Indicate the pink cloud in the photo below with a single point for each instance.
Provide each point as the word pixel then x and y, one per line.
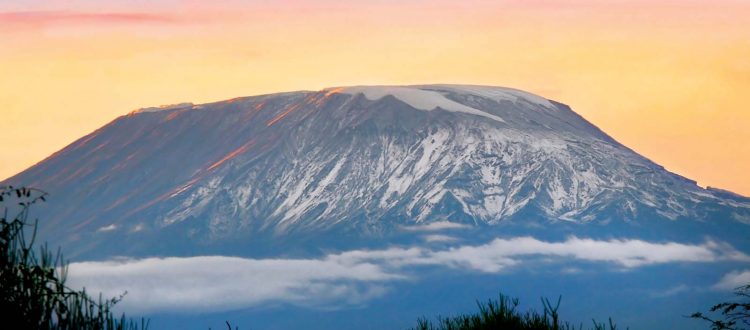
pixel 73 17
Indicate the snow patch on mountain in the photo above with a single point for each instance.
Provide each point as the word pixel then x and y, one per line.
pixel 416 97
pixel 497 94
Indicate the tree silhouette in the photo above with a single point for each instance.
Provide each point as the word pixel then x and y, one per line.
pixel 736 314
pixel 33 294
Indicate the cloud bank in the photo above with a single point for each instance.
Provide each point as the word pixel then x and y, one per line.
pixel 733 280
pixel 438 238
pixel 435 226
pixel 219 283
pixel 213 283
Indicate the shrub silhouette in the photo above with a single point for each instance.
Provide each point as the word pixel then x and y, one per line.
pixel 503 314
pixel 33 294
pixel 736 314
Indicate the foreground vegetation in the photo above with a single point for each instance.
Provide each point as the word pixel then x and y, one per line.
pixel 33 294
pixel 503 314
pixel 735 315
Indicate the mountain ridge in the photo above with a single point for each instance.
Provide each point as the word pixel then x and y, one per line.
pixel 363 159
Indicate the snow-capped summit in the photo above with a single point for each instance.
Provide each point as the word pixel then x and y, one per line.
pixel 419 98
pixel 363 159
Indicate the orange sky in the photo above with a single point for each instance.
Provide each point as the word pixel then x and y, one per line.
pixel 669 79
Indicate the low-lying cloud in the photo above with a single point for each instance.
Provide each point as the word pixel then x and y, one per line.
pixel 353 277
pixel 733 280
pixel 439 238
pixel 107 228
pixel 217 282
pixel 435 226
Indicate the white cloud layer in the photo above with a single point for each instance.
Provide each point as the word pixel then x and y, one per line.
pixel 435 226
pixel 220 283
pixel 438 238
pixel 108 228
pixel 352 277
pixel 733 280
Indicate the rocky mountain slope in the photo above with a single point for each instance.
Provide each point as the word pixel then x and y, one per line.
pixel 364 159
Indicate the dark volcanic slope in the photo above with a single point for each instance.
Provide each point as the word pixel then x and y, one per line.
pixel 358 159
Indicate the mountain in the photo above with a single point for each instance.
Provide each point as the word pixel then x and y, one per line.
pixel 360 161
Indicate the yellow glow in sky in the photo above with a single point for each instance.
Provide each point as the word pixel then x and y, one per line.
pixel 670 79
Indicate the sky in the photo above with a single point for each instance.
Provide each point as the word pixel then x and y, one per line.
pixel 666 78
